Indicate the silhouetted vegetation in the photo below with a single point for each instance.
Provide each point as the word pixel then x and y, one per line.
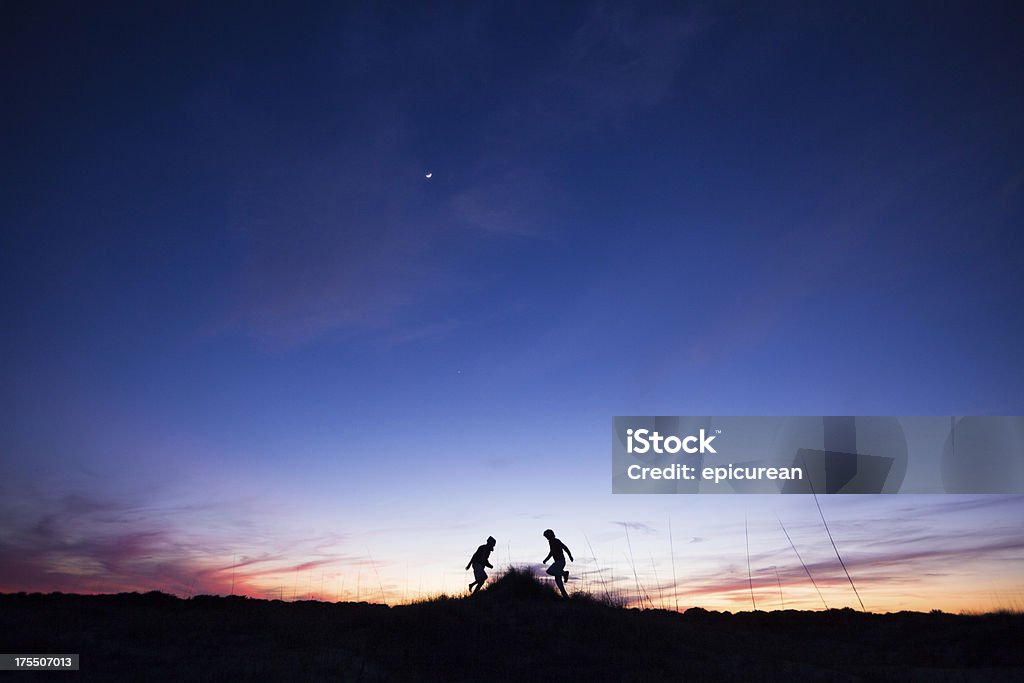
pixel 516 629
pixel 519 583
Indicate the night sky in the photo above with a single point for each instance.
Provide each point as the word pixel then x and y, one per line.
pixel 248 345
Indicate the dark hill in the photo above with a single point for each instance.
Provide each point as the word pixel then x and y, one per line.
pixel 517 584
pixel 515 631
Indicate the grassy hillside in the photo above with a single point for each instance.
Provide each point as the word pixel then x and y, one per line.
pixel 515 630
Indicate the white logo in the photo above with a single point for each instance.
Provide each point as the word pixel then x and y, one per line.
pixel 646 440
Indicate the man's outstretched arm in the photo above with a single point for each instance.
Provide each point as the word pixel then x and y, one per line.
pixel 568 552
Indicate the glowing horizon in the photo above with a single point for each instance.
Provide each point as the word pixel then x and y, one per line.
pixel 931 556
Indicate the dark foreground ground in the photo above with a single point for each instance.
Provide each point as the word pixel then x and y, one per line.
pixel 519 634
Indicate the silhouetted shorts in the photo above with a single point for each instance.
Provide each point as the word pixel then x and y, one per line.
pixel 479 574
pixel 556 568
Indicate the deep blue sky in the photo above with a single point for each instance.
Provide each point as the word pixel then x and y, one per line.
pixel 221 259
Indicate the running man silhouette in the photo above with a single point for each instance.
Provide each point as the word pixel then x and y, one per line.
pixel 480 560
pixel 557 568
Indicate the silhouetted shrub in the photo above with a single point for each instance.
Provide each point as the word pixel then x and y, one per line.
pixel 518 583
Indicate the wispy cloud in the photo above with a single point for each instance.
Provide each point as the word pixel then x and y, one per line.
pixel 75 543
pixel 623 57
pixel 503 199
pixel 884 570
pixel 642 527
